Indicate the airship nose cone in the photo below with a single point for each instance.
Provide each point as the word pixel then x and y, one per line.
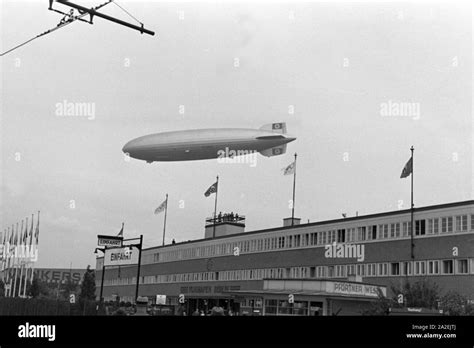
pixel 129 147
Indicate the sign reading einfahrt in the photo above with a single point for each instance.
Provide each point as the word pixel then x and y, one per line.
pixel 109 241
pixel 121 256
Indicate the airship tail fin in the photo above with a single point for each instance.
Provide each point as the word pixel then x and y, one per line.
pixel 279 127
pixel 274 151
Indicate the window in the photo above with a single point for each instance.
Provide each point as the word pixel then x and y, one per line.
pixel 450 224
pixel 461 223
pixel 472 222
pixel 392 230
pixel 330 271
pixel 383 231
pixel 361 270
pixel 289 241
pixel 340 271
pixel 341 236
pixel 351 234
pixel 314 238
pixel 297 240
pixel 281 242
pixel 274 243
pixel 407 228
pixel 361 233
pixel 395 268
pixel 407 267
pixel 374 231
pixel 444 225
pixel 447 266
pixel 433 267
pixel 432 226
pixel 321 271
pixel 420 227
pixel 462 266
pixel 371 270
pixel 435 226
pixel 420 267
pixel 332 237
pixel 383 269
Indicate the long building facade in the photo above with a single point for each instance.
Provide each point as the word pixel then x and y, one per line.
pixel 373 249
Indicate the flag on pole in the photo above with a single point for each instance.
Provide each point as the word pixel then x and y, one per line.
pixel 31 230
pixel 290 169
pixel 37 231
pixel 120 234
pixel 25 236
pixel 161 207
pixel 408 169
pixel 210 190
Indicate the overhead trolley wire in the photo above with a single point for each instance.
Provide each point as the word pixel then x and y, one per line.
pixel 124 10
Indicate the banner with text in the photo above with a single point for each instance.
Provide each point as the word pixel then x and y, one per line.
pixel 121 256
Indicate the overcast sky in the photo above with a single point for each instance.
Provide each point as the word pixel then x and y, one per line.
pixel 337 66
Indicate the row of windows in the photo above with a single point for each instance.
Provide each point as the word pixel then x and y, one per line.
pixel 380 269
pixel 422 227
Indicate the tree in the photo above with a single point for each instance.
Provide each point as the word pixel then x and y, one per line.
pixel 69 288
pixel 453 303
pixel 422 293
pixel 88 285
pixel 379 307
pixel 37 288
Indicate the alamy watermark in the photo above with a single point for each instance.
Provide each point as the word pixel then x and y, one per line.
pixel 75 109
pixel 400 109
pixel 342 251
pixel 228 156
pixel 26 253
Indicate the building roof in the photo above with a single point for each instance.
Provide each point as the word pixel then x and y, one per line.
pixel 327 222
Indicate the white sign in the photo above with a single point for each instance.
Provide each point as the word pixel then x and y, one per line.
pixel 160 299
pixel 121 256
pixel 354 289
pixel 111 242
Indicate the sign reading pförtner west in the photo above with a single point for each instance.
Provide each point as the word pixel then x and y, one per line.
pixel 109 241
pixel 354 289
pixel 121 256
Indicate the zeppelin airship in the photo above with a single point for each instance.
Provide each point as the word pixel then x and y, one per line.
pixel 199 144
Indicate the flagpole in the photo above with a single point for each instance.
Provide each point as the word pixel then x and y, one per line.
pixel 294 187
pixel 22 266
pixel 164 224
pixel 215 209
pixel 9 261
pixel 412 205
pixel 36 246
pixel 16 257
pixel 30 250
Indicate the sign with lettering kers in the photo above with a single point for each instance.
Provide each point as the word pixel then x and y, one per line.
pixel 121 256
